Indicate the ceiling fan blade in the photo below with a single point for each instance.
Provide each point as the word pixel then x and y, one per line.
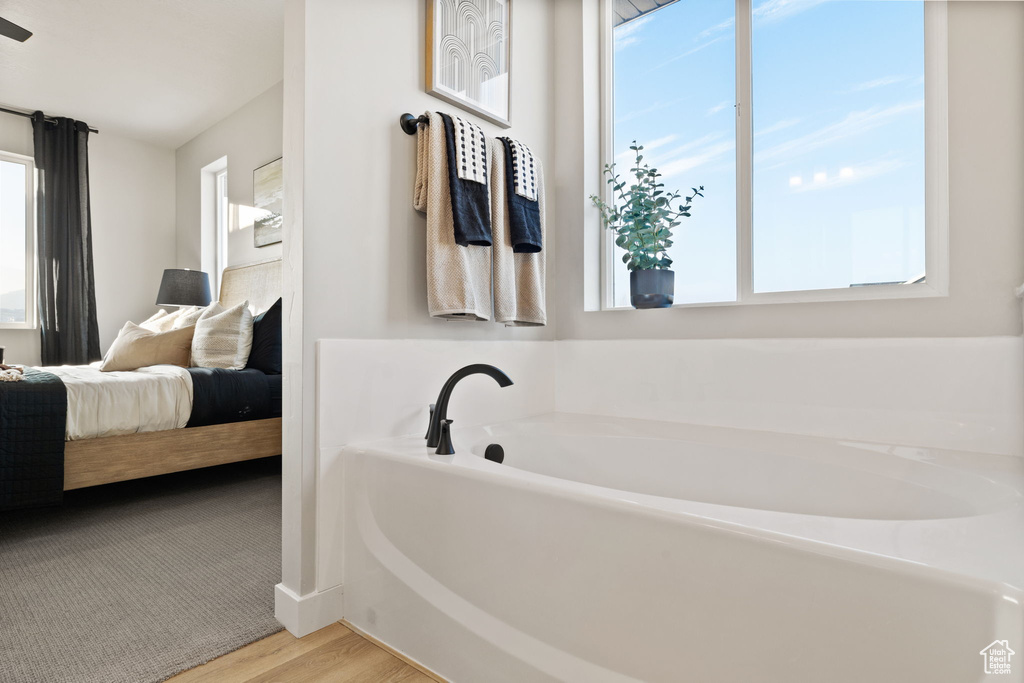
pixel 14 31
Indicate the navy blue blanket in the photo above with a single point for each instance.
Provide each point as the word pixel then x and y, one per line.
pixel 33 413
pixel 222 396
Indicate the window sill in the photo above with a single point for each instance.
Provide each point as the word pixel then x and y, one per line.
pixel 870 293
pixel 18 326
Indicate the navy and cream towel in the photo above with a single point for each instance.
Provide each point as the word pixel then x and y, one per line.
pixel 467 178
pixel 458 277
pixel 518 275
pixel 521 179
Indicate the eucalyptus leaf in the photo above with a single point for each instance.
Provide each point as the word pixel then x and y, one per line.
pixel 642 214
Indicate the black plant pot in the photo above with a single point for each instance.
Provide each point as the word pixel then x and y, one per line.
pixel 654 288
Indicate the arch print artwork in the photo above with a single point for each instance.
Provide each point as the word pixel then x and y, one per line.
pixel 468 55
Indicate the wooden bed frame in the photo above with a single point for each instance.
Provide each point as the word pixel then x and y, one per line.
pixel 91 462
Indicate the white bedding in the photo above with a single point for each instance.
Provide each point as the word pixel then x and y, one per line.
pixel 111 403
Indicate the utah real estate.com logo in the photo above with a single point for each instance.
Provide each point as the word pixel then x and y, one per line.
pixel 997 657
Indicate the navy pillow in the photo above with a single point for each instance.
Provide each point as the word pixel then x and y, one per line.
pixel 266 341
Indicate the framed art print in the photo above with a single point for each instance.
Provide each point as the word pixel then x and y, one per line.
pixel 268 199
pixel 469 54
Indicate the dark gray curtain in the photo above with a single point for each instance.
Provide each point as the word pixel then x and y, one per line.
pixel 67 293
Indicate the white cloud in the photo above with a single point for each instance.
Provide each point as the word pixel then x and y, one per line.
pixel 688 52
pixel 774 10
pixel 851 175
pixel 686 147
pixel 646 110
pixel 876 83
pixel 628 34
pixel 855 123
pixel 711 30
pixel 627 157
pixel 767 11
pixel 699 158
pixel 777 126
pixel 680 158
pixel 721 106
pixel 658 142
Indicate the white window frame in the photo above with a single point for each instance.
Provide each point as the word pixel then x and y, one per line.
pixel 213 236
pixel 31 315
pixel 222 224
pixel 936 171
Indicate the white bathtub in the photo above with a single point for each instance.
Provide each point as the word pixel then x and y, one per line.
pixel 623 550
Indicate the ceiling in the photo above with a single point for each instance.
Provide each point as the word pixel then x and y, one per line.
pixel 161 71
pixel 628 10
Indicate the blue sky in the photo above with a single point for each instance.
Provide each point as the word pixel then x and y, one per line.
pixel 838 107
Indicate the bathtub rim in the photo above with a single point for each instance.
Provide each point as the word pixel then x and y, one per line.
pixel 1003 578
pixel 929 469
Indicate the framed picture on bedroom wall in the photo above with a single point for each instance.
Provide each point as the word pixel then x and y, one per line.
pixel 268 200
pixel 468 58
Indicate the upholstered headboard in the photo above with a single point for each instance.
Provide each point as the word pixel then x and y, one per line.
pixel 258 282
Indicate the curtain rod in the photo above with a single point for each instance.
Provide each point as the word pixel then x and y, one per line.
pixel 28 115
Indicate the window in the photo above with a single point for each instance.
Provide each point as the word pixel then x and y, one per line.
pixel 817 130
pixel 214 221
pixel 17 243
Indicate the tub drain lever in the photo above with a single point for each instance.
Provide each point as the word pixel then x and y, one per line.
pixel 495 453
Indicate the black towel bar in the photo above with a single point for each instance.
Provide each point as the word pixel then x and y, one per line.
pixel 408 122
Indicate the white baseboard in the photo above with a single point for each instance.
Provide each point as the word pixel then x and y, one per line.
pixel 303 614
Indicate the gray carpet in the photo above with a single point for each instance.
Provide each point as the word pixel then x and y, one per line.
pixel 137 581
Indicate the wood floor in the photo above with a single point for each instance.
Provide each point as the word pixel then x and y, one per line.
pixel 335 654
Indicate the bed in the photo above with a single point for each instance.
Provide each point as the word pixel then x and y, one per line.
pixel 104 460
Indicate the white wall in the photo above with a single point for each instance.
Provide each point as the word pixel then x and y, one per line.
pixel 132 189
pixel 363 239
pixel 132 194
pixel 361 271
pixel 986 239
pixel 16 134
pixel 355 270
pixel 249 138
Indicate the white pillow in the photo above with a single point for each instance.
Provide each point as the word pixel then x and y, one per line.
pixel 136 347
pixel 187 316
pixel 223 337
pixel 152 323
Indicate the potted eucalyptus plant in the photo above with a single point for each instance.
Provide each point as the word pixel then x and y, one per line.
pixel 643 216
